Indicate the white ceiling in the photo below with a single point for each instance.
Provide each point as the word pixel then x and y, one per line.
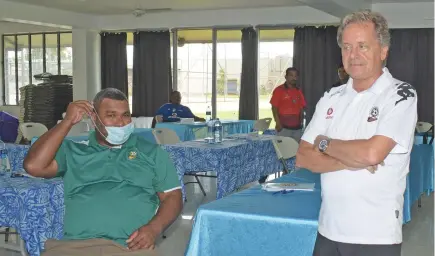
pixel 110 7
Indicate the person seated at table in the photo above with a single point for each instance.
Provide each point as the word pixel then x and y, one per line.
pixel 121 191
pixel 173 111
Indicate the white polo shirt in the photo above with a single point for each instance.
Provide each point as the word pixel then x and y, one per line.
pixel 359 207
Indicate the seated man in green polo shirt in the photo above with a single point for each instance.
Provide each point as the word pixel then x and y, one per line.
pixel 121 191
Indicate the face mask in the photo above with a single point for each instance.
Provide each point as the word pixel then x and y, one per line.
pixel 116 135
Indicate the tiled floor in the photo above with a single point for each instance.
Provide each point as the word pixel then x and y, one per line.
pixel 418 235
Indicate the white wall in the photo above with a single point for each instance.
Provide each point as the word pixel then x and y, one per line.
pixel 86 64
pixel 407 15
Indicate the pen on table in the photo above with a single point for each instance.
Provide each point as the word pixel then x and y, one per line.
pixel 283 192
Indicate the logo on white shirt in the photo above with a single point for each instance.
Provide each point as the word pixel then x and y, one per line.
pixel 373 116
pixel 329 113
pixel 405 91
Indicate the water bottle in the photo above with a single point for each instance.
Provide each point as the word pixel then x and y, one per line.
pixel 210 130
pixel 208 114
pixel 4 160
pixel 217 131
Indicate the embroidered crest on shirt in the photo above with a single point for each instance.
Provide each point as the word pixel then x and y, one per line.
pixel 405 91
pixel 132 155
pixel 329 113
pixel 373 116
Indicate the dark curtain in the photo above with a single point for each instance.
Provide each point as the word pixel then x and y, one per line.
pixel 316 56
pixel 152 82
pixel 248 102
pixel 114 73
pixel 411 59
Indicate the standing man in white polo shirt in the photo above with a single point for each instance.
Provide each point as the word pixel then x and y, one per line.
pixel 360 139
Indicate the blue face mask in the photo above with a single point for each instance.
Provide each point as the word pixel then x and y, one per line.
pixel 116 135
pixel 119 135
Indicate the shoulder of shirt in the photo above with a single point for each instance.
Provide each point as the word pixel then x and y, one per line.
pixel 76 143
pixel 334 91
pixel 278 88
pixel 399 85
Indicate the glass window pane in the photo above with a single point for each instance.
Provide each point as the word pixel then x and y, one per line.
pixel 195 69
pixel 23 60
pixel 51 53
pixel 275 56
pixel 229 68
pixel 9 66
pixel 66 61
pixel 37 57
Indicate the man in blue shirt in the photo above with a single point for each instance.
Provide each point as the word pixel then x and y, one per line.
pixel 173 111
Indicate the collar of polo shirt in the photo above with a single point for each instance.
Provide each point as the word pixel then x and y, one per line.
pixel 378 87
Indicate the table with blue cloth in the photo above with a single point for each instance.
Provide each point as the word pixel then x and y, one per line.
pixel 16 154
pixel 198 130
pixel 33 207
pixel 255 222
pixel 237 161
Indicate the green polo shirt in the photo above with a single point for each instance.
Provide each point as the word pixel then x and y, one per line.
pixel 111 192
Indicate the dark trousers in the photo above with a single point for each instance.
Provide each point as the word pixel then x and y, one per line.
pixel 326 247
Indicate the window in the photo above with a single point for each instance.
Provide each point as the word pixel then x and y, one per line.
pixel 275 55
pixel 229 69
pixel 26 55
pixel 194 66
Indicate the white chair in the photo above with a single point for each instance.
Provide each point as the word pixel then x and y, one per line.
pixel 422 127
pixel 79 129
pixel 285 148
pixel 31 130
pixel 166 136
pixel 262 125
pixel 142 122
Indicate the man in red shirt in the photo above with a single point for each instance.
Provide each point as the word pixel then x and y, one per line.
pixel 288 105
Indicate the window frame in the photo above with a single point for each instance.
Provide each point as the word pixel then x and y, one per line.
pixel 44 59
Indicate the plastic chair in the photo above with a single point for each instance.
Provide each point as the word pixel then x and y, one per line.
pixel 165 136
pixel 423 127
pixel 427 129
pixel 79 129
pixel 262 125
pixel 31 130
pixel 285 148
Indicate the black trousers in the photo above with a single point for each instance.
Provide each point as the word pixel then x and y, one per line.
pixel 326 247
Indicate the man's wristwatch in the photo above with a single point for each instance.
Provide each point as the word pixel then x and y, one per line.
pixel 323 144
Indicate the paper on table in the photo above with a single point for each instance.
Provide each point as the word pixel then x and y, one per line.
pixel 273 187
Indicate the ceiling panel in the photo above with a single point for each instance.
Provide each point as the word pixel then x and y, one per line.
pixel 127 6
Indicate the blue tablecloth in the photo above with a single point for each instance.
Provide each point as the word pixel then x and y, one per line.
pixel 16 154
pixel 257 223
pixel 33 207
pixel 254 222
pixel 198 130
pixel 236 162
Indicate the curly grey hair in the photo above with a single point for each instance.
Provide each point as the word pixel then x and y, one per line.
pixel 381 25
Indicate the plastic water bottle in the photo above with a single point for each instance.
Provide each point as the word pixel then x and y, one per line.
pixel 208 114
pixel 217 131
pixel 210 127
pixel 5 166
